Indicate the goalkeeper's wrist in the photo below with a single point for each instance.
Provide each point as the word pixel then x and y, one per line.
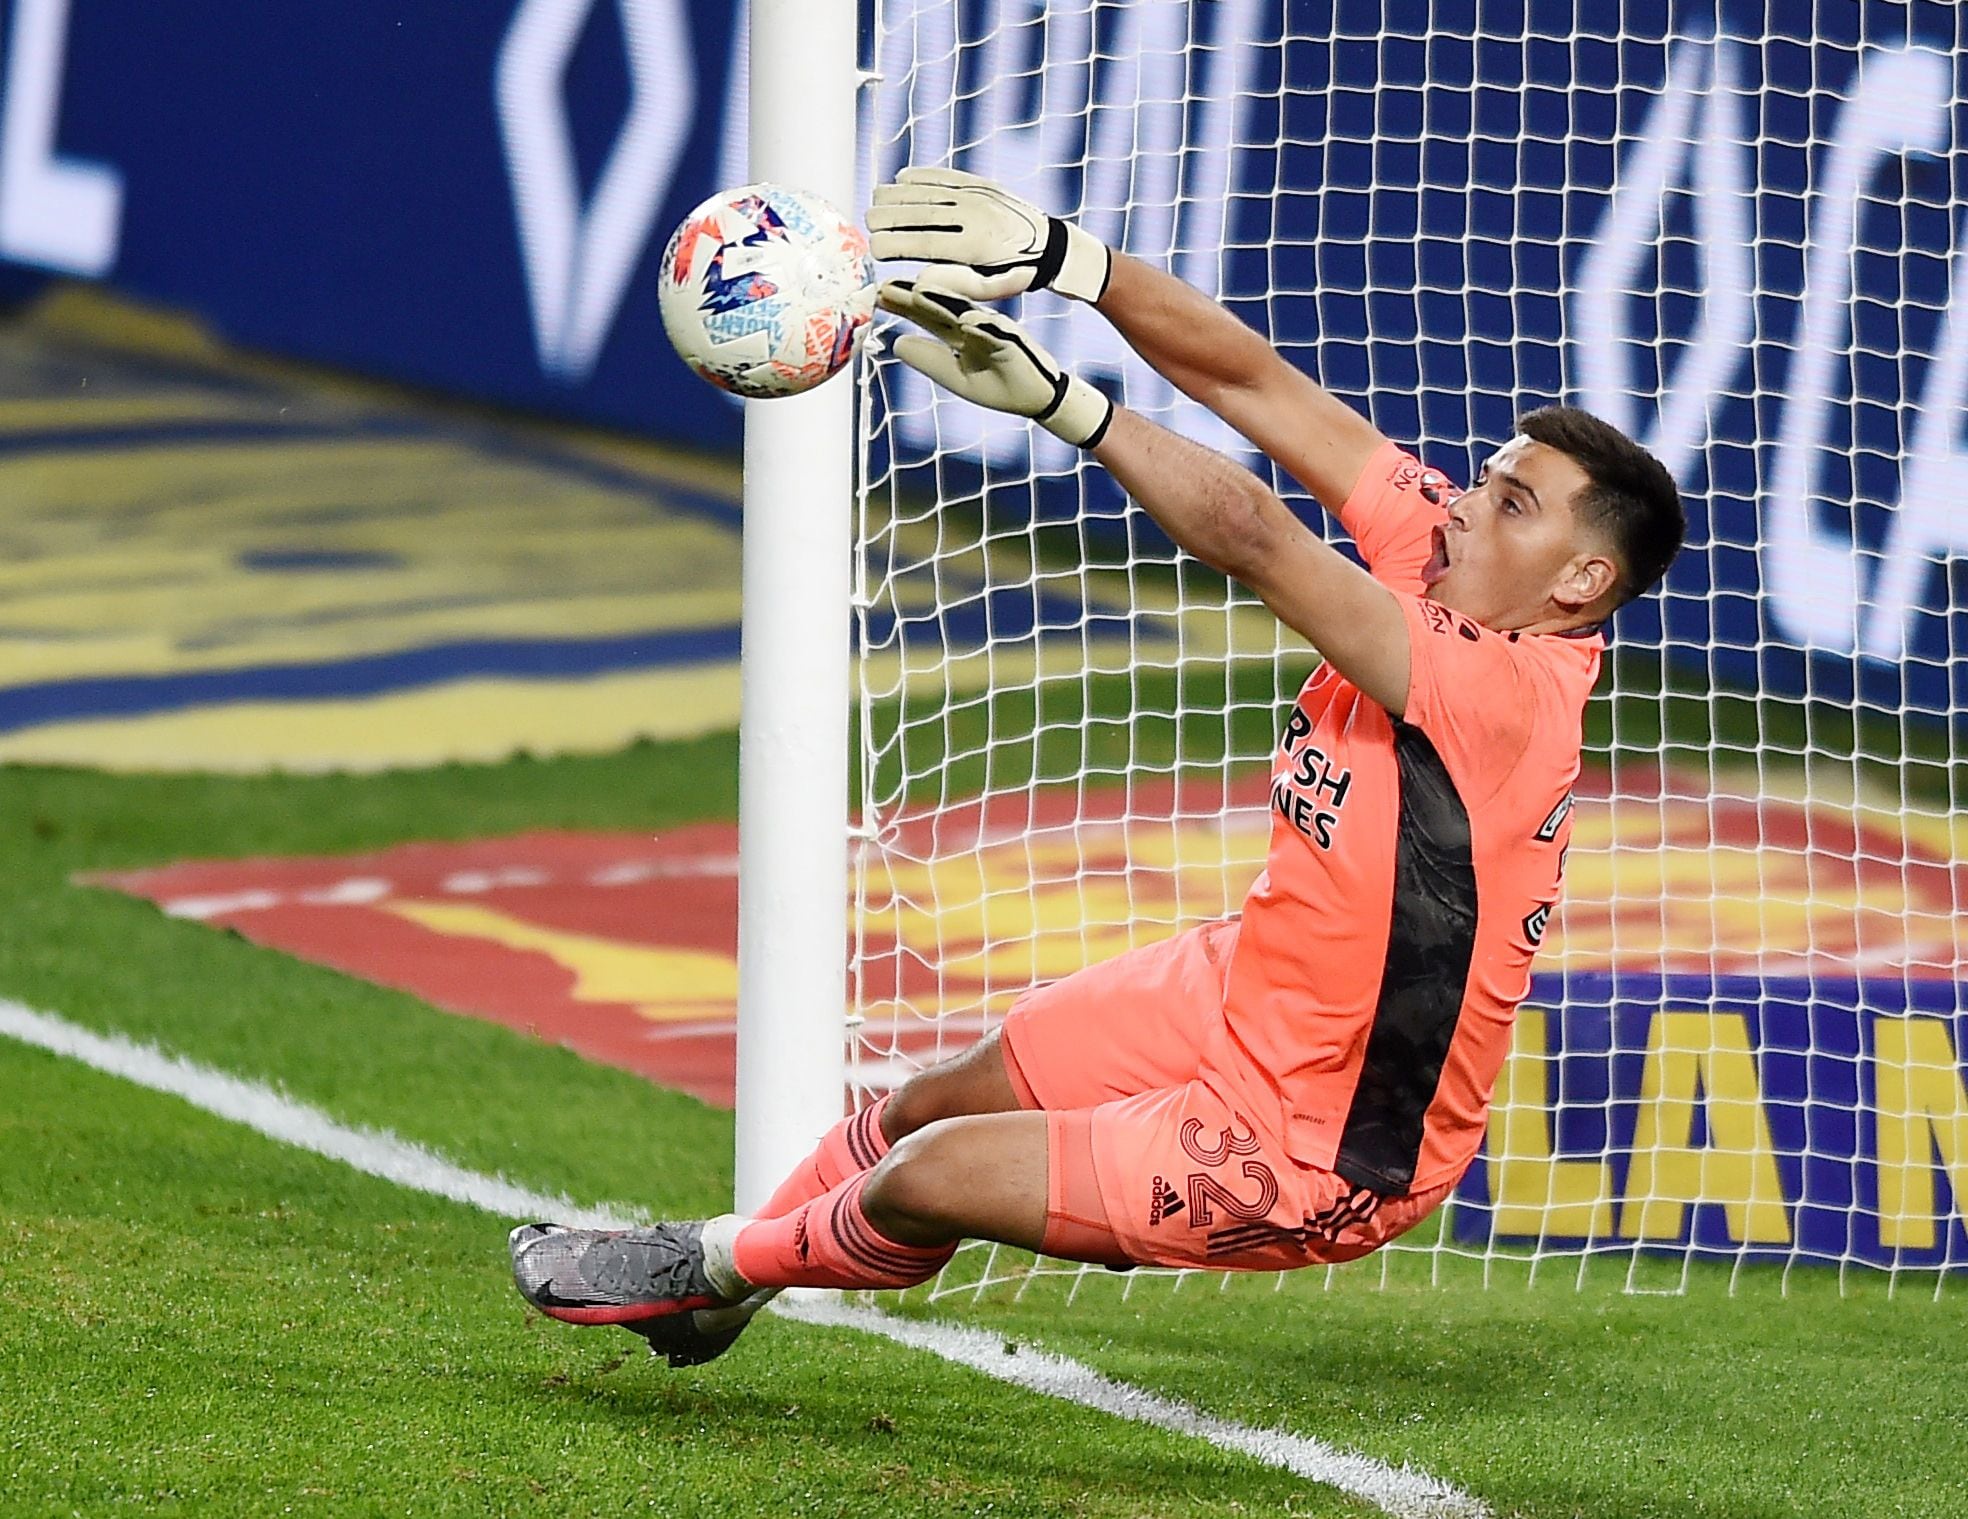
pixel 1076 263
pixel 1079 414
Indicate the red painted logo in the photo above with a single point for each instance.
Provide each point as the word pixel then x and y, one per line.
pixel 622 946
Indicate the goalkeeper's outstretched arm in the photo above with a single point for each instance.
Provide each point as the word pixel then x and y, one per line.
pixel 1210 356
pixel 984 243
pixel 1216 509
pixel 1233 522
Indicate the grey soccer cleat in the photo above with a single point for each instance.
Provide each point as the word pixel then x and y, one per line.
pixel 632 1277
pixel 552 1262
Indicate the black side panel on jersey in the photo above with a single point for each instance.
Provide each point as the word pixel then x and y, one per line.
pixel 1429 948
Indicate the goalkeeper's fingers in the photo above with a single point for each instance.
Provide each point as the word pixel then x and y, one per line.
pixel 935 310
pixel 970 283
pixel 947 179
pixel 919 232
pixel 907 193
pixel 933 358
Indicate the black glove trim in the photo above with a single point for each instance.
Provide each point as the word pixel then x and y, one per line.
pixel 1004 332
pixel 1092 439
pixel 1106 276
pixel 955 304
pixel 1052 258
pixel 1060 385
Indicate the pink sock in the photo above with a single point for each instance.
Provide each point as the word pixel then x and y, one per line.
pixel 852 1146
pixel 829 1242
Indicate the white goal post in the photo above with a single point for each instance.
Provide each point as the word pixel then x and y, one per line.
pixel 793 747
pixel 1738 239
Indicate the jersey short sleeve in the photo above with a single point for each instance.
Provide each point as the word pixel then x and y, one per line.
pixel 1392 515
pixel 1477 694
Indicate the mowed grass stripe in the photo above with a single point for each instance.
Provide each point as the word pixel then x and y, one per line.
pixel 1556 1401
pixel 383 1155
pixel 196 1319
pixel 265 1111
pixel 490 1098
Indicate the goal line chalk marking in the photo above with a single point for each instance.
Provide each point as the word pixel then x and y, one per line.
pixel 1399 1491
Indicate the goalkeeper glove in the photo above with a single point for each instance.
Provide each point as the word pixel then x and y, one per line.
pixel 987 358
pixel 1000 245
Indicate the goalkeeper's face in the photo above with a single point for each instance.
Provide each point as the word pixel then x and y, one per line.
pixel 1514 554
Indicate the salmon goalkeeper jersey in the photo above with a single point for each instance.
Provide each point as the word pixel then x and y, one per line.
pixel 1412 868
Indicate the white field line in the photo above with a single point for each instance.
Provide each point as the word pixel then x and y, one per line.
pixel 1399 1491
pixel 372 1151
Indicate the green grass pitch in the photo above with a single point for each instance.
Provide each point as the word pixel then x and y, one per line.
pixel 196 1320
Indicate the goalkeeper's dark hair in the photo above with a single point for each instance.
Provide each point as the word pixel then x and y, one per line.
pixel 1631 498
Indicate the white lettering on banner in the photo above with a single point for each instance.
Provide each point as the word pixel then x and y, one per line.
pixel 1898 105
pixel 1627 238
pixel 1930 525
pixel 62 213
pixel 578 260
pixel 1136 140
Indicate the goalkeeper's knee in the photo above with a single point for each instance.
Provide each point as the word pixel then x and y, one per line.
pixel 974 1081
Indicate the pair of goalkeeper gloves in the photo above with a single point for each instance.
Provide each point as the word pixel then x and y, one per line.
pixel 983 243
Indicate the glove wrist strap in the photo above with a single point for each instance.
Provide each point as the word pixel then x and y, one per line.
pixel 1075 263
pixel 1079 414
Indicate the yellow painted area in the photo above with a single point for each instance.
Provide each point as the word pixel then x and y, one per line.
pixel 91 313
pixel 480 721
pixel 1923 1116
pixel 999 919
pixel 662 984
pixel 80 412
pixel 317 537
pixel 141 560
pixel 1702 1057
pixel 1534 1193
pixel 1834 787
pixel 1648 882
pixel 346 522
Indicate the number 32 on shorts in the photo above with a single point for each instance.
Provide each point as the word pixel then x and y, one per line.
pixel 1207 1193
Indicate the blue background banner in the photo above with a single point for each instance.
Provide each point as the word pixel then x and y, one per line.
pixel 1816 1118
pixel 339 183
pixel 1735 236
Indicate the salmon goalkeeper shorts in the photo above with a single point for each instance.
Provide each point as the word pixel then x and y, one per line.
pixel 1152 1162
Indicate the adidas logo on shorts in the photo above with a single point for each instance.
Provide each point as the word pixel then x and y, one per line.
pixel 1167 1202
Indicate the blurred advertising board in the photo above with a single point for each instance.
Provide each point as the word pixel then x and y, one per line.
pixel 1753 1117
pixel 1736 235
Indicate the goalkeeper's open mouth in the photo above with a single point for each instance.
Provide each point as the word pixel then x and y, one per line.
pixel 1438 560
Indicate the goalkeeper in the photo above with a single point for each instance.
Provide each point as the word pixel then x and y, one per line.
pixel 1302 1083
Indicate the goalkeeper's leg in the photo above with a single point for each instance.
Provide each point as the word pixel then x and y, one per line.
pixel 1001 1149
pixel 981 1176
pixel 1135 1023
pixel 1189 1176
pixel 975 1081
pixel 1181 1177
pixel 892 1227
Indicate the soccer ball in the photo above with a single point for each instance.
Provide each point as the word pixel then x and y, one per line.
pixel 766 291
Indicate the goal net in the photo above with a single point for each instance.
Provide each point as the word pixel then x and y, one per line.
pixel 1745 1037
